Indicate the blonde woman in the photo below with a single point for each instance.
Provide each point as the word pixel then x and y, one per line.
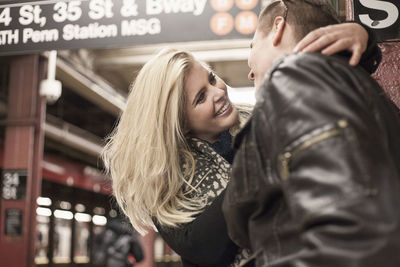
pixel 167 172
pixel 170 156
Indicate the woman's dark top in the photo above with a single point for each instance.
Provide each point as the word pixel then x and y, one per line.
pixel 204 241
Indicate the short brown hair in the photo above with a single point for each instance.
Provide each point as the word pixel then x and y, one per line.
pixel 304 15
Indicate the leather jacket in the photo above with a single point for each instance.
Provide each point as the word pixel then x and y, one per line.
pixel 315 180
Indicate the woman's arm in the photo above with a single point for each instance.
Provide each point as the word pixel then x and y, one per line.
pixel 205 241
pixel 353 37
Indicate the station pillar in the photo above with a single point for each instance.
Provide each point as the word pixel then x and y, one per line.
pixel 23 153
pixel 147 242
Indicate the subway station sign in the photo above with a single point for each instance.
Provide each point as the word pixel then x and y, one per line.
pixel 381 15
pixel 69 24
pixel 14 184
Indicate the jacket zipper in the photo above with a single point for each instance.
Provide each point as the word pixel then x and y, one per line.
pixel 286 157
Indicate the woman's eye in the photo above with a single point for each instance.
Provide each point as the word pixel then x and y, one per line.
pixel 201 98
pixel 212 79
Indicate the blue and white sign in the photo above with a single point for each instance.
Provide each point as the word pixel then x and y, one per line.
pixel 68 24
pixel 380 15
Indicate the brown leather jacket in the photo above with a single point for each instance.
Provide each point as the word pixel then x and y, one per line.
pixel 315 182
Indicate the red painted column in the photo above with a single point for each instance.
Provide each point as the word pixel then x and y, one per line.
pixel 23 150
pixel 36 185
pixel 387 74
pixel 148 248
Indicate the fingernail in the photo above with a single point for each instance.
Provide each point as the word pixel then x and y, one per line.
pixel 296 49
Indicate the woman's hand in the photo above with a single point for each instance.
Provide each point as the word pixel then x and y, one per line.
pixel 335 38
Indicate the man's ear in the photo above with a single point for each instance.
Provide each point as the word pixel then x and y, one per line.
pixel 278 29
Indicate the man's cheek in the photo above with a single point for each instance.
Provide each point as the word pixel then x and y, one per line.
pixel 256 85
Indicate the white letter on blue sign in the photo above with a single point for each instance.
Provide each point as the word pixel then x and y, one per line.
pixel 153 7
pixel 389 8
pixel 100 9
pixel 26 13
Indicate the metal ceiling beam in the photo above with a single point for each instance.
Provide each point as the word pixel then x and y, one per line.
pixel 209 51
pixel 68 134
pixel 91 87
pixel 80 142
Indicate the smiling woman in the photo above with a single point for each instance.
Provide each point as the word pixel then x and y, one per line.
pixel 170 156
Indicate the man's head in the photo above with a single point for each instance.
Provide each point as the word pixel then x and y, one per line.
pixel 281 25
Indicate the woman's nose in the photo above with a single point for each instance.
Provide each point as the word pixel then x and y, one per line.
pixel 219 93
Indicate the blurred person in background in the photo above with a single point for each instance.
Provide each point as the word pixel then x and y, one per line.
pixel 316 177
pixel 118 245
pixel 170 155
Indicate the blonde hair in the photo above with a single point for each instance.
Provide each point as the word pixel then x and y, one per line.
pixel 146 151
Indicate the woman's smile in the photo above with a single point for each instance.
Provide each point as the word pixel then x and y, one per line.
pixel 225 109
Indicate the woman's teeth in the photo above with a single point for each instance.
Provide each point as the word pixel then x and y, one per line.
pixel 223 109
